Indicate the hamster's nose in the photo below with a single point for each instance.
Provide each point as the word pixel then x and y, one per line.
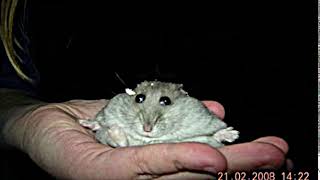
pixel 147 127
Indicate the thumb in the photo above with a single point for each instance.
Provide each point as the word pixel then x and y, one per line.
pixel 215 107
pixel 159 159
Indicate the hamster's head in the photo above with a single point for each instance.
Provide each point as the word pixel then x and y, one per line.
pixel 152 100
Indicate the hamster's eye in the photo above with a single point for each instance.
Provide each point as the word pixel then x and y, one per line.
pixel 164 101
pixel 140 98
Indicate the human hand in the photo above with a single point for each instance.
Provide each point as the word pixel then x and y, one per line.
pixel 263 153
pixel 52 137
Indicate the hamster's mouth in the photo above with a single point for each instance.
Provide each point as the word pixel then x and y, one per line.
pixel 150 135
pixel 146 134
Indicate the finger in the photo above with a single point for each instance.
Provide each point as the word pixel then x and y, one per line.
pixel 81 102
pixel 289 165
pixel 85 109
pixel 161 159
pixel 280 143
pixel 149 161
pixel 216 108
pixel 186 176
pixel 253 155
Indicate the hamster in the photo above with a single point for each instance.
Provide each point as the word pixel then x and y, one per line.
pixel 158 112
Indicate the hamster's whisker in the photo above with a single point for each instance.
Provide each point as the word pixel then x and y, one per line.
pixel 120 79
pixel 132 123
pixel 141 115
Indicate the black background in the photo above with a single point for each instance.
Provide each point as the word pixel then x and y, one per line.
pixel 255 59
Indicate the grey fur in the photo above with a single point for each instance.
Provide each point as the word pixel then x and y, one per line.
pixel 186 119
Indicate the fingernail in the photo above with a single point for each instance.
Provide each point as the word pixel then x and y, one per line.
pixel 210 169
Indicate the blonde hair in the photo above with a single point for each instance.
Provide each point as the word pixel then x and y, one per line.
pixel 8 8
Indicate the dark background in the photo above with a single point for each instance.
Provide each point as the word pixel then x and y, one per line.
pixel 256 60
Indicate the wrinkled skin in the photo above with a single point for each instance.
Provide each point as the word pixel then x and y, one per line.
pixel 50 135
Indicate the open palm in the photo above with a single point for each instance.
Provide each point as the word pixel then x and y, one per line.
pixel 57 143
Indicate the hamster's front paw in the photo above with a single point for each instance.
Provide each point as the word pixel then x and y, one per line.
pixel 227 134
pixel 118 136
pixel 91 124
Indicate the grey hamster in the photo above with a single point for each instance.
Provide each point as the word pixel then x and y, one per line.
pixel 158 112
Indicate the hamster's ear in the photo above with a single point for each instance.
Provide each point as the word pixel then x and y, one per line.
pixel 130 92
pixel 91 124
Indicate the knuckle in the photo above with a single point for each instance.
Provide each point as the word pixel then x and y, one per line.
pixel 140 161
